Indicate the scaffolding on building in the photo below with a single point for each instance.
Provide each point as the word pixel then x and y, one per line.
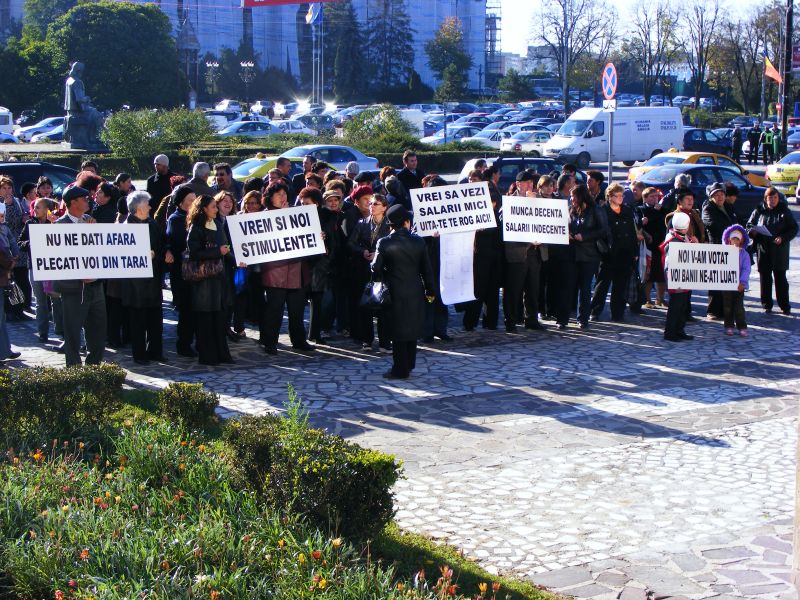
pixel 494 62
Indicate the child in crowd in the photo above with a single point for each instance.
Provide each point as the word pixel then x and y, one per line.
pixel 733 302
pixel 678 299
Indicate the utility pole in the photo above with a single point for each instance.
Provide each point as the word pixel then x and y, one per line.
pixel 787 74
pixel 565 57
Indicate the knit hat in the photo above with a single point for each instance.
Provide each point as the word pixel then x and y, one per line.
pixel 362 190
pixel 161 159
pixel 680 221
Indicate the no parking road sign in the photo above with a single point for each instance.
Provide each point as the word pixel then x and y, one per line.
pixel 609 83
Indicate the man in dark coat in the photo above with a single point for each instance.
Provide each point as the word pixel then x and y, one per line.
pixel 83 301
pixel 775 215
pixel 158 184
pixel 410 176
pixel 717 216
pixel 402 262
pixel 736 143
pixel 523 268
pixel 299 180
pixel 754 137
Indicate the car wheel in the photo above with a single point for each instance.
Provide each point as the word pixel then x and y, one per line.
pixel 628 163
pixel 583 160
pixel 656 152
pixel 535 154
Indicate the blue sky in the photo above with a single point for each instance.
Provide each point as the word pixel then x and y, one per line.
pixel 518 17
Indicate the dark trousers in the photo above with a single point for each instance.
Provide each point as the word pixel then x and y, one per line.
pixel 752 154
pixel 437 318
pixel 781 288
pixel 472 312
pixel 182 301
pixel 147 328
pixel 85 311
pixel 404 358
pixel 733 309
pixel 315 315
pixel 767 153
pixel 736 152
pixel 295 303
pixel 577 281
pixel 613 274
pixel 335 306
pixel 212 341
pixel 240 303
pixel 522 278
pixel 714 303
pixel 355 287
pixel 118 322
pixel 255 292
pixel 676 314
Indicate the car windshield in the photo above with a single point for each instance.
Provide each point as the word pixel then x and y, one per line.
pixel 662 174
pixel 574 127
pixel 246 167
pixel 484 134
pixel 658 161
pixel 522 136
pixel 790 159
pixel 298 152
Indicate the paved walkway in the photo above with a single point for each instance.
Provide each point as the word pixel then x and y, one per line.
pixel 602 464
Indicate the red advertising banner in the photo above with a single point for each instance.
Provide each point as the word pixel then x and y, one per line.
pixel 258 3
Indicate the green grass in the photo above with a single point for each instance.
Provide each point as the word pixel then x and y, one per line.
pixel 409 552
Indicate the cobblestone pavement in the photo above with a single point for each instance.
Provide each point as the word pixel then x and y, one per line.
pixel 602 464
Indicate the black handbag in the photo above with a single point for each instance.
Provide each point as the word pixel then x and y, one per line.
pixel 14 294
pixel 375 296
pixel 199 269
pixel 602 246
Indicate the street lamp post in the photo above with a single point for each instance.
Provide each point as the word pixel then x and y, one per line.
pixel 212 73
pixel 247 75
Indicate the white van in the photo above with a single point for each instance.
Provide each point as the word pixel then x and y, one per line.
pixel 416 118
pixel 639 133
pixel 6 120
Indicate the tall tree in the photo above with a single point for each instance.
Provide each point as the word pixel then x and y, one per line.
pixel 389 49
pixel 453 86
pixel 701 20
pixel 137 65
pixel 40 13
pixel 573 30
pixel 446 49
pixel 344 50
pixel 514 87
pixel 652 41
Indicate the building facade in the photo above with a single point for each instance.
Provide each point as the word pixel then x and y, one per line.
pixel 279 34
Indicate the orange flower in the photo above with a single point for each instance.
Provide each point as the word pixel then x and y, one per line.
pixel 38 456
pixel 495 587
pixel 336 542
pixel 164 565
pixel 59 595
pixel 281 543
pixel 483 588
pixel 316 555
pixel 81 445
pixel 84 555
pixel 215 595
pixel 182 467
pixel 452 590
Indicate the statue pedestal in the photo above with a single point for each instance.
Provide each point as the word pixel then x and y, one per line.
pixel 98 147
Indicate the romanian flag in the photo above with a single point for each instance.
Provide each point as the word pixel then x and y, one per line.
pixel 770 71
pixel 314 13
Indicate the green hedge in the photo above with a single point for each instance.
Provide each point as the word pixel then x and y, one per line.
pixel 706 119
pixel 57 401
pixel 189 404
pixel 339 486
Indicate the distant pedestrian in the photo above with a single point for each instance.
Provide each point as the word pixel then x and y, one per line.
pixel 674 328
pixel 736 143
pixel 754 137
pixel 733 301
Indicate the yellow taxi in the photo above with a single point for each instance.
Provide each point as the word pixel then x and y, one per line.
pixel 260 165
pixel 673 157
pixel 784 173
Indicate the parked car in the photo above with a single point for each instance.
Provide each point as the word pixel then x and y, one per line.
pixel 529 142
pixel 284 111
pixel 26 133
pixel 701 176
pixel 294 126
pixel 743 121
pixel 56 134
pixel 436 122
pixel 509 166
pixel 682 101
pixel 220 119
pixel 228 106
pixel 318 123
pixel 249 129
pixel 8 138
pixel 260 165
pixel 23 172
pixel 26 117
pixel 454 134
pixel 335 156
pixel 704 140
pixel 695 158
pixel 490 139
pixel 263 107
pixel 784 173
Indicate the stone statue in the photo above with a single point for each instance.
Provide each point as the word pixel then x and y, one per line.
pixel 84 122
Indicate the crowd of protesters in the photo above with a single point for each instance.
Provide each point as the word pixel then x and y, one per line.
pixel 618 241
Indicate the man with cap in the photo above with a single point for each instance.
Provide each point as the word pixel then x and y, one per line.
pixel 717 216
pixel 678 299
pixel 83 300
pixel 401 261
pixel 158 184
pixel 523 268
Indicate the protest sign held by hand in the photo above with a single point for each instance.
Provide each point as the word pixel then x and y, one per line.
pixel 452 208
pixel 280 234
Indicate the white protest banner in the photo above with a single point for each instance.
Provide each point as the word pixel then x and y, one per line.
pixel 456 254
pixel 280 234
pixel 539 220
pixel 90 251
pixel 702 267
pixel 452 208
